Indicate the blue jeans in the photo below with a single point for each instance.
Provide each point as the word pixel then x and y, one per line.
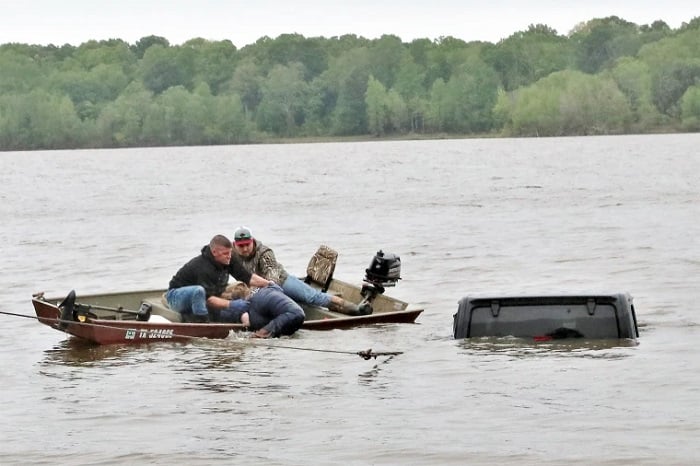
pixel 188 300
pixel 274 311
pixel 303 293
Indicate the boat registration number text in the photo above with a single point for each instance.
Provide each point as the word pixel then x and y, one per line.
pixel 154 333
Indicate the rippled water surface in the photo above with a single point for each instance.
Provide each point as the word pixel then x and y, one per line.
pixel 466 216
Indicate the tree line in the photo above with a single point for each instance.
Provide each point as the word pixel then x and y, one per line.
pixel 607 76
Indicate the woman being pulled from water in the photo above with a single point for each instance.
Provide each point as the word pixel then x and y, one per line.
pixel 271 313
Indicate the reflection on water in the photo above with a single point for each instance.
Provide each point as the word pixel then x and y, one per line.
pixel 212 365
pixel 76 352
pixel 371 378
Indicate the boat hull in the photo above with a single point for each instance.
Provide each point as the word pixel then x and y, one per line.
pixel 112 318
pixel 111 331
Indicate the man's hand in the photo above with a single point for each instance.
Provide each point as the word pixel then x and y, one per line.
pixel 258 281
pixel 215 302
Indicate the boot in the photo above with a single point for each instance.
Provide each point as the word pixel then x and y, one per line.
pixel 365 309
pixel 338 304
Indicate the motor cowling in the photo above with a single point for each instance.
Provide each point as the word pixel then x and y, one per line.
pixel 384 270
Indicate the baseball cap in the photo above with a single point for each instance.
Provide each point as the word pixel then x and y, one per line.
pixel 242 236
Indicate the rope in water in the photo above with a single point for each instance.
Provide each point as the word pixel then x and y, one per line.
pixel 366 354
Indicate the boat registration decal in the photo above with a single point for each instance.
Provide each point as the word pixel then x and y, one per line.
pixel 154 333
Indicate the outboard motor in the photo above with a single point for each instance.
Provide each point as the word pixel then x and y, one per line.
pixel 383 271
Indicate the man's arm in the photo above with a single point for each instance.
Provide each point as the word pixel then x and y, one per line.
pixel 268 266
pixel 239 310
pixel 217 302
pixel 257 280
pixel 237 271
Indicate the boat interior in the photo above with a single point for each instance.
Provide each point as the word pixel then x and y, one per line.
pixel 151 305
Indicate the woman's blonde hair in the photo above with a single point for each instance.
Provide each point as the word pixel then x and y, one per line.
pixel 238 290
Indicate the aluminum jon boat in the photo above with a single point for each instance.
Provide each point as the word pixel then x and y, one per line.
pixel 144 316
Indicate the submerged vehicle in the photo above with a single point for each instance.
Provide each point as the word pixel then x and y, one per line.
pixel 547 317
pixel 144 316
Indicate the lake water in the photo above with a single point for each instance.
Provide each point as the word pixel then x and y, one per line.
pixel 466 216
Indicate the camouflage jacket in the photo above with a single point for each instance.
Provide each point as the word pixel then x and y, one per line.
pixel 263 263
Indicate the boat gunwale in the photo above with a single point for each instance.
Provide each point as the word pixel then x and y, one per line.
pixel 49 314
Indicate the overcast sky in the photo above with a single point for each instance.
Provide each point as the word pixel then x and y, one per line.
pixel 243 22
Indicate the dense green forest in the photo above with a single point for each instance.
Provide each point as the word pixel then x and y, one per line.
pixel 607 76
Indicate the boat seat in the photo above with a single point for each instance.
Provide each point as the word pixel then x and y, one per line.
pixel 160 307
pixel 321 267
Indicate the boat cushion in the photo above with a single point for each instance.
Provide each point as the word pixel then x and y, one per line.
pixel 321 267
